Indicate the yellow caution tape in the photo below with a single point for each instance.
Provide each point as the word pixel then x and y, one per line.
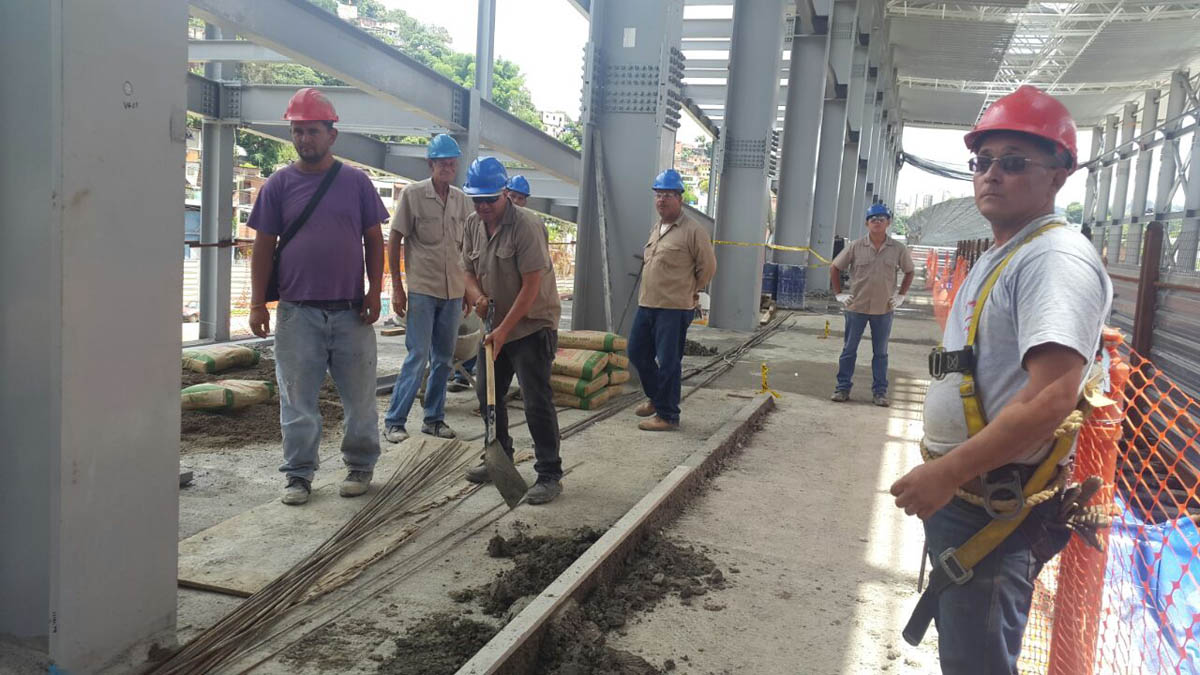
pixel 776 247
pixel 766 389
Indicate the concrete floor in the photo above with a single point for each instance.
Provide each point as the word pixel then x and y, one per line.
pixel 826 564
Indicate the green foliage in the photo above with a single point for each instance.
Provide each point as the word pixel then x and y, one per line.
pixel 560 230
pixel 327 5
pixel 265 153
pixel 572 135
pixel 703 186
pixel 689 195
pixel 286 73
pixel 1074 212
pixel 900 224
pixel 372 9
pixel 705 144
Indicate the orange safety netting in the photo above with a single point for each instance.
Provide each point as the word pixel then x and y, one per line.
pixel 949 271
pixel 1134 608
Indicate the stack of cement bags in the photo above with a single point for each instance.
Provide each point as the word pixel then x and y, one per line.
pixel 589 368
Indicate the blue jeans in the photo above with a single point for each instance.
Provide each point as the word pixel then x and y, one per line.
pixel 881 328
pixel 656 350
pixel 431 329
pixel 980 623
pixel 469 366
pixel 309 342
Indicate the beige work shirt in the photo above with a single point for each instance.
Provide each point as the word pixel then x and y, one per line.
pixel 676 264
pixel 518 247
pixel 873 272
pixel 433 232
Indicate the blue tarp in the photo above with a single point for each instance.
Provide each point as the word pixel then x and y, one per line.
pixel 1152 593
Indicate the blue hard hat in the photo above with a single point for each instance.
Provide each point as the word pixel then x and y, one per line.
pixel 518 184
pixel 442 146
pixel 486 178
pixel 669 180
pixel 878 210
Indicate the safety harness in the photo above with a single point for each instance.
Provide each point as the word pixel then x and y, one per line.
pixel 955 565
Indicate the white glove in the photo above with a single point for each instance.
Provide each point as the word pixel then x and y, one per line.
pixel 897 300
pixel 844 298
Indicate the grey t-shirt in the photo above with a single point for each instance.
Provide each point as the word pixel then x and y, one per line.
pixel 1054 290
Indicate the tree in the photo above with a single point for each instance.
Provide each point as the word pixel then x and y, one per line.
pixel 327 5
pixel 1075 212
pixel 703 186
pixel 900 224
pixel 265 153
pixel 705 144
pixel 689 195
pixel 572 135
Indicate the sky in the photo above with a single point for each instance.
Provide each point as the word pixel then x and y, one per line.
pixel 546 39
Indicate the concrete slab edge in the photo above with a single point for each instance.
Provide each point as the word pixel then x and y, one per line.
pixel 515 647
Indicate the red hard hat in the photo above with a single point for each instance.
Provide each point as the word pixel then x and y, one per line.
pixel 1031 111
pixel 310 105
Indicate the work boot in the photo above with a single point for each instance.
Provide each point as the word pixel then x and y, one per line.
pixel 356 483
pixel 881 400
pixel 657 423
pixel 395 434
pixel 840 396
pixel 297 491
pixel 455 385
pixel 646 409
pixel 437 429
pixel 543 492
pixel 479 474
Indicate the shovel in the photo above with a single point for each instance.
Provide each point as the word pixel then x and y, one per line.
pixel 499 465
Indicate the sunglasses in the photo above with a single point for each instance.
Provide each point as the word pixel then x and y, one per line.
pixel 1010 164
pixel 485 200
pixel 877 218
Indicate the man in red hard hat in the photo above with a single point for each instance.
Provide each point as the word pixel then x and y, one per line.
pixel 317 221
pixel 1017 344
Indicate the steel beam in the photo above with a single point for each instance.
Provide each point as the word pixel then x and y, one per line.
pixel 1121 187
pixel 314 37
pixel 758 27
pixel 798 154
pixel 631 105
pixel 359 111
pixel 1141 183
pixel 1189 233
pixel 243 51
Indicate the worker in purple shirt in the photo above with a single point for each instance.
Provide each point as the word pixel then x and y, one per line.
pixel 325 314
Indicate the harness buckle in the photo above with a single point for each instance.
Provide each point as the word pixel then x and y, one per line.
pixel 954 569
pixel 1007 485
pixel 942 362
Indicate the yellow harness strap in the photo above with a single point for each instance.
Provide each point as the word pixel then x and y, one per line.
pixel 972 406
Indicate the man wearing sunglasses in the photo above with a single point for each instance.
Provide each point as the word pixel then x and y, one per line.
pixel 872 263
pixel 428 230
pixel 508 268
pixel 1024 326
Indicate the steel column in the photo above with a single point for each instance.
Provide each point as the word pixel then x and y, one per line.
pixel 1089 192
pixel 630 111
pixel 1189 233
pixel 750 114
pixel 1106 171
pixel 801 131
pixel 216 215
pixel 90 277
pixel 1121 188
pixel 1168 168
pixel 485 42
pixel 716 158
pixel 1131 254
pixel 866 140
pixel 847 186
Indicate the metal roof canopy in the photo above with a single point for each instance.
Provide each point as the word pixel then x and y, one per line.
pixel 954 59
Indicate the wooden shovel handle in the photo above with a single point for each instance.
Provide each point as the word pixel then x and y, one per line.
pixel 491 374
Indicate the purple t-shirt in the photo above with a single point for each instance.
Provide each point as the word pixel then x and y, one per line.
pixel 324 261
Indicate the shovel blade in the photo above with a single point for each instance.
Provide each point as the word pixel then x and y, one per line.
pixel 504 474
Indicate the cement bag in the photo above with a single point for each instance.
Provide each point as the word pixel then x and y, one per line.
pixel 618 360
pixel 583 403
pixel 580 363
pixel 226 395
pixel 614 390
pixel 566 384
pixel 597 340
pixel 617 376
pixel 218 358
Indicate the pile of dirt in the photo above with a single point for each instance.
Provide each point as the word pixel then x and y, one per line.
pixel 693 348
pixel 538 560
pixel 255 425
pixel 439 643
pixel 575 642
pixel 335 648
